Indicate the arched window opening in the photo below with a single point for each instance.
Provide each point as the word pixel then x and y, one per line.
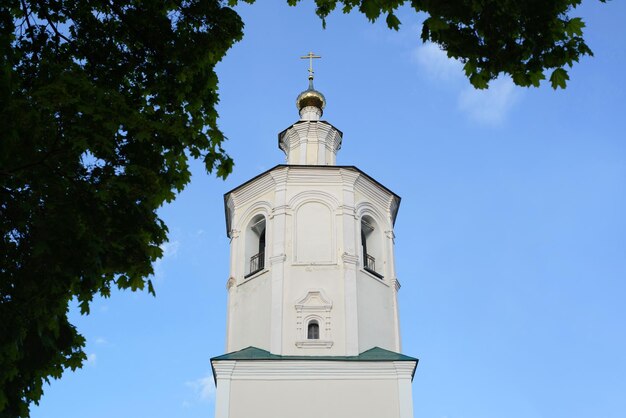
pixel 313 331
pixel 255 246
pixel 371 245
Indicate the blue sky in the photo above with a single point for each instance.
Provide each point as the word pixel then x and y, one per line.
pixel 511 235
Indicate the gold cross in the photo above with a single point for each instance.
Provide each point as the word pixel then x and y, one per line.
pixel 310 57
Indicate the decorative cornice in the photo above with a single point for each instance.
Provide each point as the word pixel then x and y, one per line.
pixel 314 344
pixel 223 369
pixel 280 174
pixel 306 303
pixel 405 369
pixel 279 210
pixel 314 174
pixel 350 258
pixel 394 205
pixel 374 192
pixel 348 210
pixel 322 370
pixel 349 177
pixel 280 258
pixel 252 190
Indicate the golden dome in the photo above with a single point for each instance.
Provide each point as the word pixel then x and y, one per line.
pixel 311 97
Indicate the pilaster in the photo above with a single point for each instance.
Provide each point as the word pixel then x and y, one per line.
pixel 394 284
pixel 277 260
pixel 405 370
pixel 223 371
pixel 350 261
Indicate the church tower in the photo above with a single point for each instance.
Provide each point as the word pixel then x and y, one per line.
pixel 313 327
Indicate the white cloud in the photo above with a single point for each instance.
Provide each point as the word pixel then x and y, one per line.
pixel 91 359
pixel 170 249
pixel 101 340
pixel 435 62
pixel 490 106
pixel 204 388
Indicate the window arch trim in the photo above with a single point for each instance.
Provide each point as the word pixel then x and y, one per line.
pixel 313 330
pixel 372 244
pixel 255 245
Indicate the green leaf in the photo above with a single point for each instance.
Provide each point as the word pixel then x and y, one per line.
pixel 574 26
pixel 520 78
pixel 435 24
pixel 371 9
pixel 559 78
pixel 479 80
pixel 536 77
pixel 469 68
pixel 393 22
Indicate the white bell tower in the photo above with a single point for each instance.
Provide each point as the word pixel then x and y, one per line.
pixel 313 326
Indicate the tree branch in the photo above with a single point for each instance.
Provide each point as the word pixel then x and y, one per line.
pixel 26 14
pixel 54 28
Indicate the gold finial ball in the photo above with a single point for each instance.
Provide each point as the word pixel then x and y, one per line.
pixel 311 97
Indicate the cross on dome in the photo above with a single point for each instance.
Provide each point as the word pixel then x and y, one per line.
pixel 310 56
pixel 310 102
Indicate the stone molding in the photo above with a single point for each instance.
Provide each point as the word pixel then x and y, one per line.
pixel 279 258
pixel 350 258
pixel 315 300
pixel 315 305
pixel 253 189
pixel 259 208
pixel 309 132
pixel 254 276
pixel 224 369
pixel 313 370
pixel 280 175
pixel 314 344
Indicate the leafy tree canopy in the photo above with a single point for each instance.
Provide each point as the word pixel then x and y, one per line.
pixel 523 39
pixel 102 103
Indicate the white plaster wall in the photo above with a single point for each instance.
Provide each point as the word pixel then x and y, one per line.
pixel 314 398
pixel 250 319
pixel 249 310
pixel 313 389
pixel 313 246
pixel 312 242
pixel 314 235
pixel 299 281
pixel 376 311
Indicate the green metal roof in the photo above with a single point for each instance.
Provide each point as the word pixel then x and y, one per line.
pixel 253 353
pixel 373 354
